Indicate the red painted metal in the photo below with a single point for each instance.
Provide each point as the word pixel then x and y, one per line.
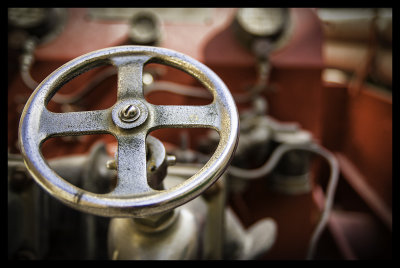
pixel 358 128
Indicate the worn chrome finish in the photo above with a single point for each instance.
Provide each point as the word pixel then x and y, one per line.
pixel 132 195
pixel 129 114
pixel 127 119
pixel 178 240
pixel 202 229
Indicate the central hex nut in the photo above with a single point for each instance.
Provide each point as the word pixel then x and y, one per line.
pixel 129 113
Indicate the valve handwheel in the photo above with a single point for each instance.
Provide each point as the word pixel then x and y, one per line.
pixel 130 120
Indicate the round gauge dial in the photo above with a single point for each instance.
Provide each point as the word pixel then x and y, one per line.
pixel 262 22
pixel 26 17
pixel 42 23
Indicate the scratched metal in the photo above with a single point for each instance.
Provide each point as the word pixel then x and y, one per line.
pixel 132 195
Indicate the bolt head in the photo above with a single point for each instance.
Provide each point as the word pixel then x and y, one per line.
pixel 129 113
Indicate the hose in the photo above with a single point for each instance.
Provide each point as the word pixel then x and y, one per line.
pixel 27 61
pixel 272 162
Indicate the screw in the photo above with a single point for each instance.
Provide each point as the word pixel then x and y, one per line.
pixel 129 113
pixel 171 160
pixel 111 164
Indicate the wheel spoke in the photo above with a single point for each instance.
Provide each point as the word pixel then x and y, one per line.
pixel 131 166
pixel 130 70
pixel 74 123
pixel 175 116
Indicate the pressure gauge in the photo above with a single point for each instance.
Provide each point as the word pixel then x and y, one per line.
pixel 27 17
pixel 43 23
pixel 263 22
pixel 254 24
pixel 145 28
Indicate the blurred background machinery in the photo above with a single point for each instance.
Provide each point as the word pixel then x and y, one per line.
pixel 299 77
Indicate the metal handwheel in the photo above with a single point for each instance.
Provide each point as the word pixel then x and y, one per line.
pixel 130 120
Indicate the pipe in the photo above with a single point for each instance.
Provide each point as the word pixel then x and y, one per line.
pixel 272 162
